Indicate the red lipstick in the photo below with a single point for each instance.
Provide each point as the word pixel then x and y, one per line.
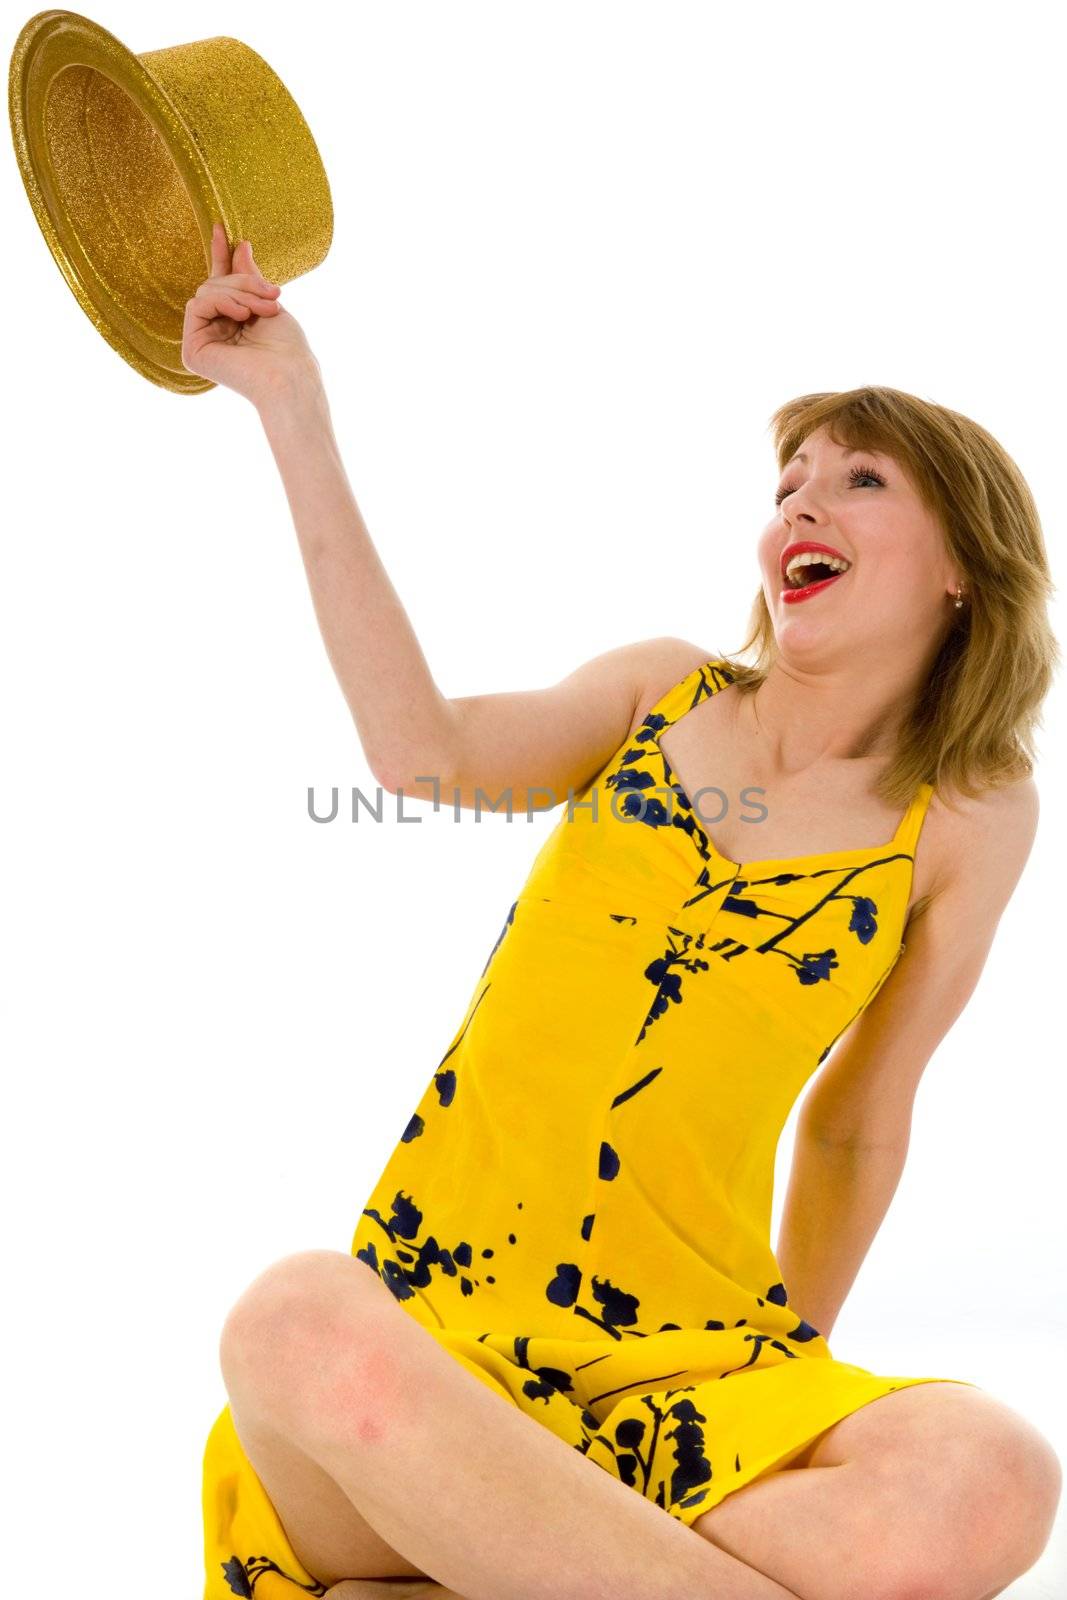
pixel 792 597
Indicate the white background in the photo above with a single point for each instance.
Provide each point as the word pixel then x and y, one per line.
pixel 582 251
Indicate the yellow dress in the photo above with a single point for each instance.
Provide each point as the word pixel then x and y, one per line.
pixel 579 1207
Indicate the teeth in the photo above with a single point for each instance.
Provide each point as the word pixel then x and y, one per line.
pixel 807 558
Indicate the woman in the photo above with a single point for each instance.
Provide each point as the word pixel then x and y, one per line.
pixel 575 1219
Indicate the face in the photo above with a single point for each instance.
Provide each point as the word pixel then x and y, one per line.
pixel 899 584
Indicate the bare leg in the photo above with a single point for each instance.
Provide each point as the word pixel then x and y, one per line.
pixel 471 1490
pixel 834 1532
pixel 389 1589
pixel 936 1488
pixel 400 1589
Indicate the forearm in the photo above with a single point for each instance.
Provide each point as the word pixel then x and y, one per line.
pixel 837 1198
pixel 402 719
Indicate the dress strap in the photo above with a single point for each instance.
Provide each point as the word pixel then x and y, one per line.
pixel 907 835
pixel 706 679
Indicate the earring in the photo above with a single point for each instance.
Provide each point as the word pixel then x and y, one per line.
pixel 959 597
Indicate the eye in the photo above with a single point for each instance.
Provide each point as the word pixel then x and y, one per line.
pixel 855 474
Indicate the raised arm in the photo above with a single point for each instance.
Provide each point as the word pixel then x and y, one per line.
pixel 237 333
pixel 521 742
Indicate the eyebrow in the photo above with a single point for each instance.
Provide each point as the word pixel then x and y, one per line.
pixel 800 456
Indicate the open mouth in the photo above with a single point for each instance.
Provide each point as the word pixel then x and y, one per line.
pixel 811 579
pixel 810 571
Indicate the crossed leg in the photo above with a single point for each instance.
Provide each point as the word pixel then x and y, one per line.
pixel 340 1401
pixel 938 1491
pixel 319 1361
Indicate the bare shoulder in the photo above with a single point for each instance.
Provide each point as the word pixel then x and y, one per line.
pixel 659 664
pixel 979 844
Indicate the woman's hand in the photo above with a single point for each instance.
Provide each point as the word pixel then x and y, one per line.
pixel 238 334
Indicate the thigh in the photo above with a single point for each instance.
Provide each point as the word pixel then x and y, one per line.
pixel 926 1420
pixel 328 1535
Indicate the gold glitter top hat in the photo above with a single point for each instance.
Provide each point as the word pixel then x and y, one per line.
pixel 128 159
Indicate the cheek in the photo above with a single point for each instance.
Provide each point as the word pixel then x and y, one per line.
pixel 767 550
pixel 897 580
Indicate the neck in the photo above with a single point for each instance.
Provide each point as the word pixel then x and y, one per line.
pixel 797 719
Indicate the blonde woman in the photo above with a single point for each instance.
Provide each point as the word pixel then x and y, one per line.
pixel 561 1288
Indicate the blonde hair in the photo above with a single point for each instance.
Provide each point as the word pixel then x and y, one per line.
pixel 973 723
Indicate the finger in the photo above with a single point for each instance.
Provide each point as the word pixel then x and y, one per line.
pixel 251 297
pixel 251 280
pixel 254 268
pixel 220 251
pixel 244 288
pixel 218 303
pixel 214 300
pixel 215 303
pixel 240 280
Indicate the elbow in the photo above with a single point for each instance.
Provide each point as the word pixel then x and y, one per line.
pixel 418 753
pixel 383 771
pixel 391 779
pixel 386 776
pixel 858 1132
pixel 427 778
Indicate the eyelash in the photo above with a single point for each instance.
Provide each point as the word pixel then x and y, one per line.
pixel 857 472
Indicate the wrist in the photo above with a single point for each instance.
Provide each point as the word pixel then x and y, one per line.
pixel 300 397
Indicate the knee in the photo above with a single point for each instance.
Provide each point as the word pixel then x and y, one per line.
pixel 985 1519
pixel 1015 1490
pixel 1030 1481
pixel 308 1322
